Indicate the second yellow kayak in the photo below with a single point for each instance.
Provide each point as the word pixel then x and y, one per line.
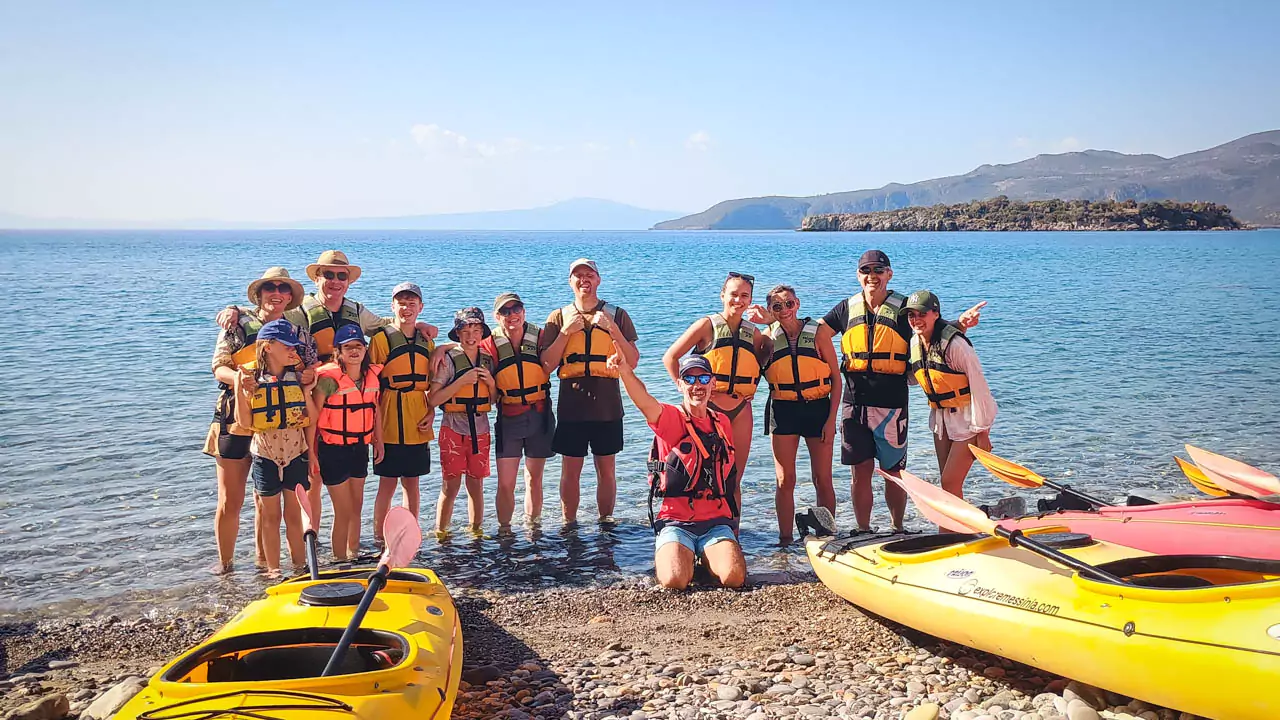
pixel 1196 633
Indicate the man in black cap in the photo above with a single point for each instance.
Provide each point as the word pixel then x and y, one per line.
pixel 873 412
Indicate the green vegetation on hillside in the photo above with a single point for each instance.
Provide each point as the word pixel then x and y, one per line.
pixel 1001 213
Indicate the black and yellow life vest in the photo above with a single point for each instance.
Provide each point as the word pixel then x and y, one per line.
pixel 585 353
pixel 944 386
pixel 799 374
pixel 470 399
pixel 323 324
pixel 733 358
pixel 873 342
pixel 250 324
pixel 279 403
pixel 519 374
pixel 408 363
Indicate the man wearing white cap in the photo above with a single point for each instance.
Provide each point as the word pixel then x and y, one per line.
pixel 579 338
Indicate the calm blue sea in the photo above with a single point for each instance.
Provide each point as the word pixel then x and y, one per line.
pixel 1105 351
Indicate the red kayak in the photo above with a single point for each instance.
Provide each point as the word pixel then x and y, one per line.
pixel 1213 526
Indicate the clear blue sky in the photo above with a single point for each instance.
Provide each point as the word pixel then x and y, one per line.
pixel 260 111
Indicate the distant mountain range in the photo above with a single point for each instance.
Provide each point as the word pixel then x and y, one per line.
pixel 575 214
pixel 1243 174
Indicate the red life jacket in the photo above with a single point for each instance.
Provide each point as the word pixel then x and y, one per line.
pixel 697 479
pixel 346 418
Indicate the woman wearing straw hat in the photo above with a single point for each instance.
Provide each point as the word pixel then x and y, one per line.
pixel 275 295
pixel 329 308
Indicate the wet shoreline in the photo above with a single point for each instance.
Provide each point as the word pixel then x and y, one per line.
pixel 634 652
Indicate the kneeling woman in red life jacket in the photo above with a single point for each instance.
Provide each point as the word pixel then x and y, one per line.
pixel 692 472
pixel 350 421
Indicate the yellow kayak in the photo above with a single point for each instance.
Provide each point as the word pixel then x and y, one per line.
pixel 266 663
pixel 1196 633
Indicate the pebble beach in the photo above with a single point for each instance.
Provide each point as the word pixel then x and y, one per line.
pixel 617 653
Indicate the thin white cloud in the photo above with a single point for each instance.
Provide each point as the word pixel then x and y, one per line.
pixel 1069 144
pixel 1022 143
pixel 699 141
pixel 594 148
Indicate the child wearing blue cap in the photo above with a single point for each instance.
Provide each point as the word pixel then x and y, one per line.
pixel 350 421
pixel 272 401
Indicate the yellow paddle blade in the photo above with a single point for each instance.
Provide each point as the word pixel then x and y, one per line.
pixel 1199 479
pixel 1006 470
pixel 1233 475
pixel 941 507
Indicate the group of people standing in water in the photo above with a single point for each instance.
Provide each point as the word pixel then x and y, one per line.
pixel 314 386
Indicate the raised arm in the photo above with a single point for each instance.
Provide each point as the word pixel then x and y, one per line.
pixel 647 404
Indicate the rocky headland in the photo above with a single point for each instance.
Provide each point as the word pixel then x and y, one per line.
pixel 1003 214
pixel 776 651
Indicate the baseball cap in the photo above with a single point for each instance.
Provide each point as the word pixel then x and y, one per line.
pixel 407 287
pixel 695 362
pixel 505 298
pixel 348 333
pixel 583 261
pixel 873 257
pixel 922 300
pixel 281 331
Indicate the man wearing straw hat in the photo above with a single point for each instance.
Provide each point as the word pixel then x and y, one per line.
pixel 329 308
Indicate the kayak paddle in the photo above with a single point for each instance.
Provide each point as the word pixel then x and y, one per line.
pixel 1019 476
pixel 1233 475
pixel 1197 477
pixel 311 526
pixel 403 538
pixel 947 510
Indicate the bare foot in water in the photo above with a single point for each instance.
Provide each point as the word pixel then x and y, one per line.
pixel 219 568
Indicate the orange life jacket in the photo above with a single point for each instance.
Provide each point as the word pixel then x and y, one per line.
pixel 346 418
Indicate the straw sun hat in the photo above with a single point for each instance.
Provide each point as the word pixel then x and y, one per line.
pixel 277 274
pixel 333 259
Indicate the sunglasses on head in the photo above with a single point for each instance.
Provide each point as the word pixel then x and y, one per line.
pixel 788 304
pixel 511 309
pixel 331 275
pixel 743 276
pixel 872 270
pixel 697 379
pixel 275 287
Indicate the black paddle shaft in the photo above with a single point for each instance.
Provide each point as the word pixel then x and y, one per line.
pixel 313 565
pixel 376 581
pixel 1017 539
pixel 1065 488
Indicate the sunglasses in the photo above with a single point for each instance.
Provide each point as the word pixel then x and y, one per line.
pixel 331 275
pixel 777 307
pixel 511 309
pixel 275 287
pixel 697 379
pixel 873 270
pixel 743 276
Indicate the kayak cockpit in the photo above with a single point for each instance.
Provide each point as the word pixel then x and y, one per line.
pixel 286 655
pixel 1193 571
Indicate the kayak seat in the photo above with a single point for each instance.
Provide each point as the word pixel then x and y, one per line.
pixel 286 654
pixel 1170 581
pixel 925 543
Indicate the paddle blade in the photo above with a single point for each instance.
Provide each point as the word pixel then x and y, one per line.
pixel 304 499
pixel 1010 472
pixel 403 537
pixel 1197 477
pixel 1233 475
pixel 941 507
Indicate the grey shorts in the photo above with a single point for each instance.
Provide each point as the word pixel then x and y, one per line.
pixel 528 434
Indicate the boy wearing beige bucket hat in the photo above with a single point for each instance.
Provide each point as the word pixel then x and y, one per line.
pixel 329 308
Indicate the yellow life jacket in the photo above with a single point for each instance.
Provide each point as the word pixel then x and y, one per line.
pixel 279 403
pixel 799 374
pixel 586 352
pixel 733 358
pixel 470 399
pixel 250 324
pixel 872 341
pixel 944 386
pixel 405 379
pixel 519 374
pixel 322 324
